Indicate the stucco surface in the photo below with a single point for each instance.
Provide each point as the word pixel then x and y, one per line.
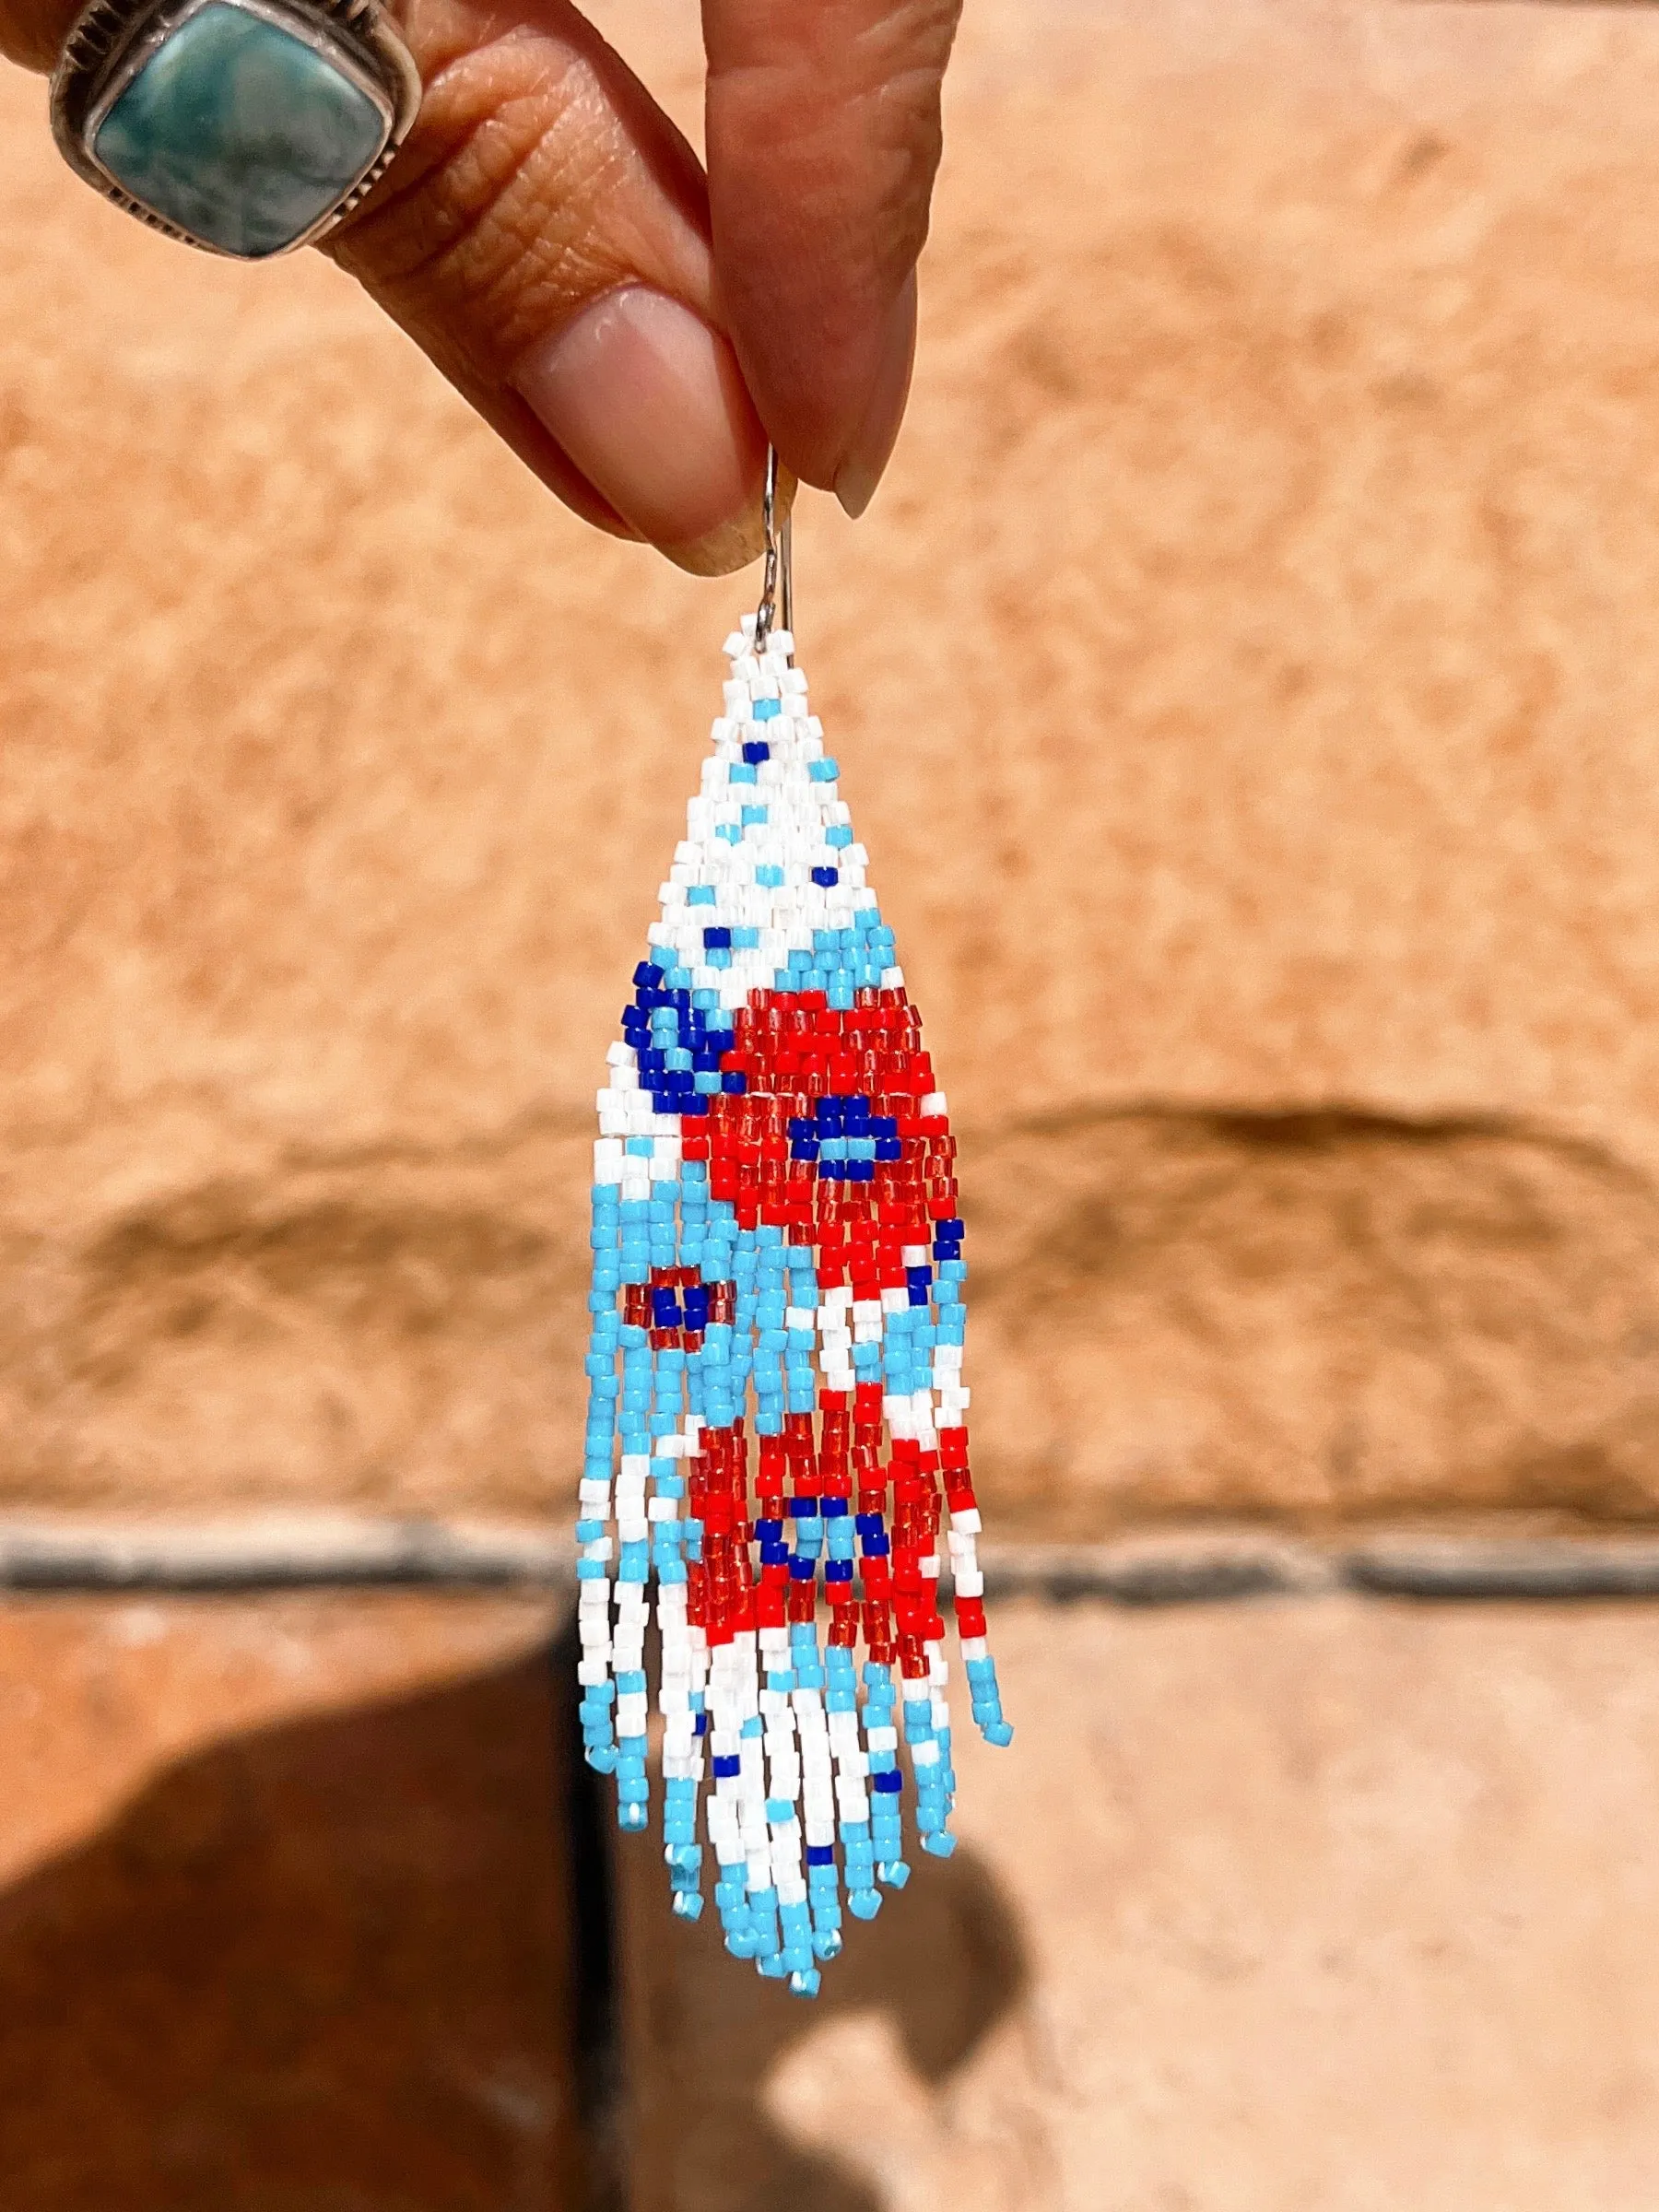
pixel 1245 683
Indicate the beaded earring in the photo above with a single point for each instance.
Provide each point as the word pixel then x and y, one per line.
pixel 775 1228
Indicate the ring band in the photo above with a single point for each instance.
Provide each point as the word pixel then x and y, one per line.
pixel 247 128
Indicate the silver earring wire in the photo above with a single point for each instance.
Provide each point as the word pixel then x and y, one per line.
pixel 777 583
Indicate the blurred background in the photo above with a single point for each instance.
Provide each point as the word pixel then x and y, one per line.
pixel 1246 683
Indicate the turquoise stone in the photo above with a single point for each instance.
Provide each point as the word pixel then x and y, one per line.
pixel 239 133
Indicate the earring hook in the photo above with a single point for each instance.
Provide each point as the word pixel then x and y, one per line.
pixel 777 583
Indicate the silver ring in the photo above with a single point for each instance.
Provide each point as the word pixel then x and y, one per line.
pixel 247 128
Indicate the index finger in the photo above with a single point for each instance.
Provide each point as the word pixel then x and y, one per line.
pixel 823 142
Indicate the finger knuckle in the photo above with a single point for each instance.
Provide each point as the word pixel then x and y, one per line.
pixel 483 227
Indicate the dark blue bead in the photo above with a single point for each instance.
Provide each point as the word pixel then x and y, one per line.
pixel 717 939
pixel 868 1525
pixel 824 876
pixel 802 1571
pixel 697 1103
pixel 835 1509
pixel 875 1548
pixel 757 750
pixel 804 1508
pixel 820 1854
pixel 861 1171
pixel 701 1725
pixel 648 976
pixel 888 1147
pixel 733 1082
pixel 950 1228
pixel 890 1783
pixel 838 1571
pixel 769 1531
pixel 725 1768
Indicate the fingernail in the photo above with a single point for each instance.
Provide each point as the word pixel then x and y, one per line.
pixel 649 403
pixel 878 433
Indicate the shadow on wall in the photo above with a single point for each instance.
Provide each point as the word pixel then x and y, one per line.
pixel 365 1963
pixel 320 1968
pixel 943 1962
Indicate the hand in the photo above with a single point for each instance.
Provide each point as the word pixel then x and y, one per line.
pixel 635 332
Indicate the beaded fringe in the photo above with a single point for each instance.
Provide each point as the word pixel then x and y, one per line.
pixel 775 1225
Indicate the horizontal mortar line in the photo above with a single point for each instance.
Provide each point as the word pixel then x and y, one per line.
pixel 71 1552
